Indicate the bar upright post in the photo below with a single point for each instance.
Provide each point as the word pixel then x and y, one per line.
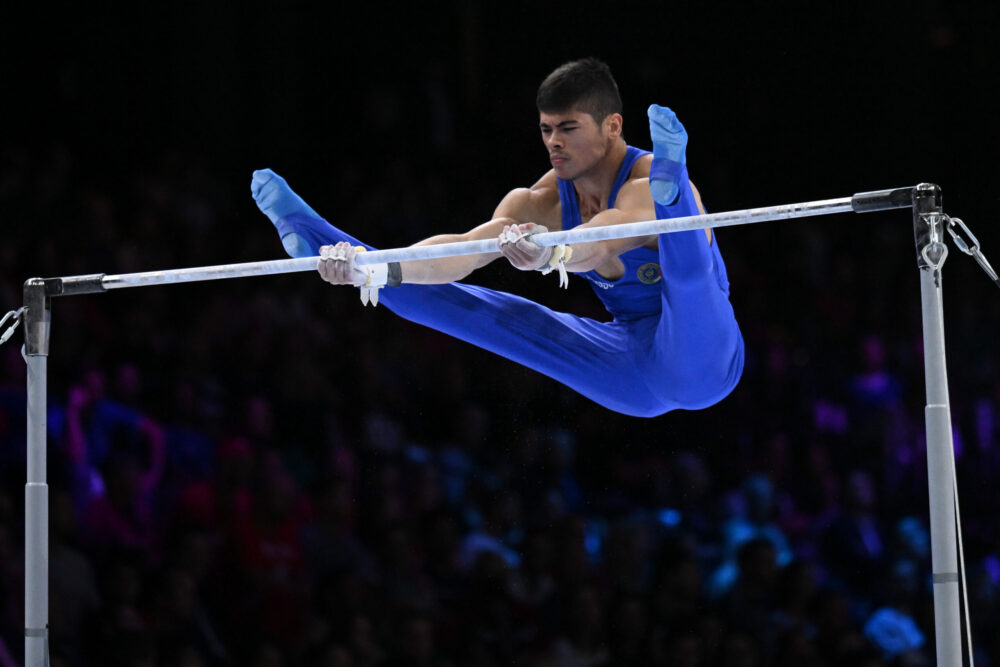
pixel 929 231
pixel 37 318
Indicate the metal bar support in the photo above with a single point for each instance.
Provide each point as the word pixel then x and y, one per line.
pixel 37 318
pixel 929 234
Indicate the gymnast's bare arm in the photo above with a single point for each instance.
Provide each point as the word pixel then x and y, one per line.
pixel 519 206
pixel 633 204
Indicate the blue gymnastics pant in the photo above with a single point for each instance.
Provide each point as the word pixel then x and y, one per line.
pixel 690 356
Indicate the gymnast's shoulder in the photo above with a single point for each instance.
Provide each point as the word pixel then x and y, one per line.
pixel 538 203
pixel 640 169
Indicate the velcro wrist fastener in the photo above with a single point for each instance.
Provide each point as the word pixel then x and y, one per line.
pixel 378 276
pixel 558 251
pixel 561 254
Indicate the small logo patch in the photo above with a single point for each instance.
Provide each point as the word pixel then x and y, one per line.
pixel 650 273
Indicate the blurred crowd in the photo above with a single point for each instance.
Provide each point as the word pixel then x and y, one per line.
pixel 262 473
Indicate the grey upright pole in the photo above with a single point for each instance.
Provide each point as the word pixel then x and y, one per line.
pixel 37 316
pixel 929 230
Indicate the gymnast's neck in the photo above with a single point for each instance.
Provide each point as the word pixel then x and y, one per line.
pixel 593 188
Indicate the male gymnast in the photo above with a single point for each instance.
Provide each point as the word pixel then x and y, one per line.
pixel 673 341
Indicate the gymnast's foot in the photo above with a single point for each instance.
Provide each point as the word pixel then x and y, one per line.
pixel 279 202
pixel 669 149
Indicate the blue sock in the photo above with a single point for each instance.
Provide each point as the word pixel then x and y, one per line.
pixel 279 202
pixel 669 154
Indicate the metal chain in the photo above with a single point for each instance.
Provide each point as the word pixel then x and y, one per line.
pixel 16 314
pixel 970 249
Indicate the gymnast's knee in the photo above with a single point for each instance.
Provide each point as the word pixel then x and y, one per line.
pixel 706 381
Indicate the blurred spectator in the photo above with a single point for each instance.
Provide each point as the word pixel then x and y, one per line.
pixel 73 588
pixel 11 581
pixel 502 512
pixel 269 556
pixel 532 585
pixel 181 620
pixel 754 517
pixel 855 543
pixel 751 600
pixel 795 591
pixel 415 643
pixel 628 632
pixel 582 642
pixel 677 594
pixel 896 635
pixel 330 539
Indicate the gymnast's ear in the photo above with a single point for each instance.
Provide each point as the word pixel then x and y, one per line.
pixel 612 125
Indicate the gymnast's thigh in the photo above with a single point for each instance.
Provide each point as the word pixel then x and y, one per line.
pixel 511 326
pixel 596 359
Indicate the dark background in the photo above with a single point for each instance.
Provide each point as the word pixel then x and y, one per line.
pixel 129 136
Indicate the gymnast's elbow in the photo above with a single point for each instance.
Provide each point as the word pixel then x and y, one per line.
pixel 587 256
pixel 593 255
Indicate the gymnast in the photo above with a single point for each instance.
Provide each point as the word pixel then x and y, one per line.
pixel 673 341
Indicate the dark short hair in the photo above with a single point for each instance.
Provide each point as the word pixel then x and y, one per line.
pixel 585 85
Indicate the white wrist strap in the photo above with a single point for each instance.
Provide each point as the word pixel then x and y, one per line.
pixel 378 275
pixel 557 260
pixel 560 255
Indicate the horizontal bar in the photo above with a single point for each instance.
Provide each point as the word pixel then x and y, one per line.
pixel 882 200
pixel 626 230
pixel 222 271
pixel 413 253
pixel 74 285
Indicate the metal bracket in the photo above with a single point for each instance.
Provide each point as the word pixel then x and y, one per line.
pixel 928 228
pixel 37 317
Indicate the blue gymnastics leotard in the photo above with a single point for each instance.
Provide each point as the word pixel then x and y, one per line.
pixel 636 294
pixel 673 342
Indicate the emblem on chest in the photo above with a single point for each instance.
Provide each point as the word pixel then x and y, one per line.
pixel 649 273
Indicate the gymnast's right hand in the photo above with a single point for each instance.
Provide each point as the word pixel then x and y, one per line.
pixel 516 245
pixel 337 266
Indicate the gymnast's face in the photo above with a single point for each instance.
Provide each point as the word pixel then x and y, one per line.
pixel 575 141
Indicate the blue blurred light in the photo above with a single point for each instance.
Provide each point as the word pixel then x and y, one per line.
pixel 670 517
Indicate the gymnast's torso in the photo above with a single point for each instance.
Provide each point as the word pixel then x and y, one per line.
pixel 626 284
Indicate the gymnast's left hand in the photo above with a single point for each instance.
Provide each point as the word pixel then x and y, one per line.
pixel 514 244
pixel 337 266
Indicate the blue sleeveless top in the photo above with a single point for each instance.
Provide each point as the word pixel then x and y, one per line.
pixel 637 293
